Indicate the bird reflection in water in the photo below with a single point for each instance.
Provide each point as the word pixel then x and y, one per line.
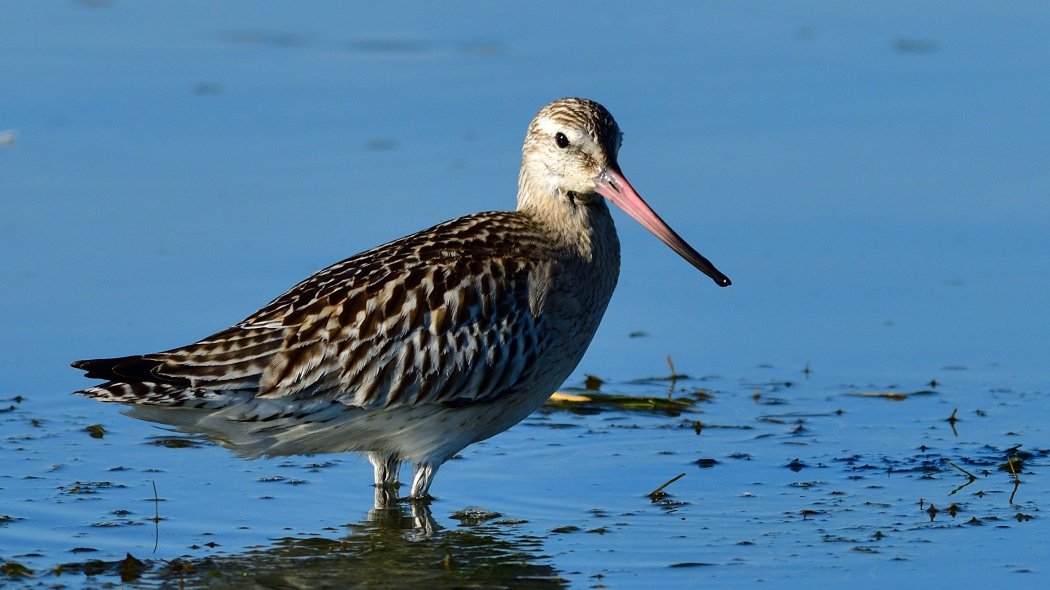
pixel 398 545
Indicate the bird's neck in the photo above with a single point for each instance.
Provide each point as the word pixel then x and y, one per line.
pixel 581 223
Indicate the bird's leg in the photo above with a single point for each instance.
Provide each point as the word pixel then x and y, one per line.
pixel 422 475
pixel 386 469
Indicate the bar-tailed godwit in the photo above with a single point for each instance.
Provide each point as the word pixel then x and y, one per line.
pixel 417 348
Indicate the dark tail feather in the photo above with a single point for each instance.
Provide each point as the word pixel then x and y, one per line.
pixel 133 369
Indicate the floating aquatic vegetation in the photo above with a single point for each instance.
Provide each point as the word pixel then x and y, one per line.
pixel 702 395
pixel 593 402
pixel 562 530
pixel 12 569
pixel 474 515
pixel 592 383
pixel 81 488
pixel 690 564
pixel 95 430
pixel 892 396
pixel 176 442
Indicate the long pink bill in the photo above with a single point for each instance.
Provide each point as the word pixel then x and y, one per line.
pixel 613 186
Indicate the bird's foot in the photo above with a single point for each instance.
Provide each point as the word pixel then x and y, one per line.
pixel 423 500
pixel 387 497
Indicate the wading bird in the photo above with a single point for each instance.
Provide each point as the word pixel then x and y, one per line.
pixel 417 348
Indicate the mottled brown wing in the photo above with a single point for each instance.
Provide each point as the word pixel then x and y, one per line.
pixel 442 316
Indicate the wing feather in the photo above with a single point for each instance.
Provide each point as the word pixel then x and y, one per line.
pixel 443 316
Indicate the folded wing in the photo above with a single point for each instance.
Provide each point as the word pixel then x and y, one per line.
pixel 443 316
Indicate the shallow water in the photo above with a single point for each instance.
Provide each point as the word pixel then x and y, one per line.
pixel 813 482
pixel 873 180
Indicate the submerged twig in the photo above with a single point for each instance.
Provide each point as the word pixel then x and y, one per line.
pixel 659 492
pixel 156 518
pixel 1017 480
pixel 1010 465
pixel 674 377
pixel 970 475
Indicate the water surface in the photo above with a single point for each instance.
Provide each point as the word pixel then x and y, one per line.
pixel 873 179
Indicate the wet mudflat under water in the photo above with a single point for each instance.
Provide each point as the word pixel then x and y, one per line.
pixel 873 179
pixel 788 480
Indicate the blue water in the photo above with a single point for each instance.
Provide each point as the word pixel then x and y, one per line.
pixel 872 178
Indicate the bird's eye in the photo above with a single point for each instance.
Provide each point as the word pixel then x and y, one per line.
pixel 561 140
